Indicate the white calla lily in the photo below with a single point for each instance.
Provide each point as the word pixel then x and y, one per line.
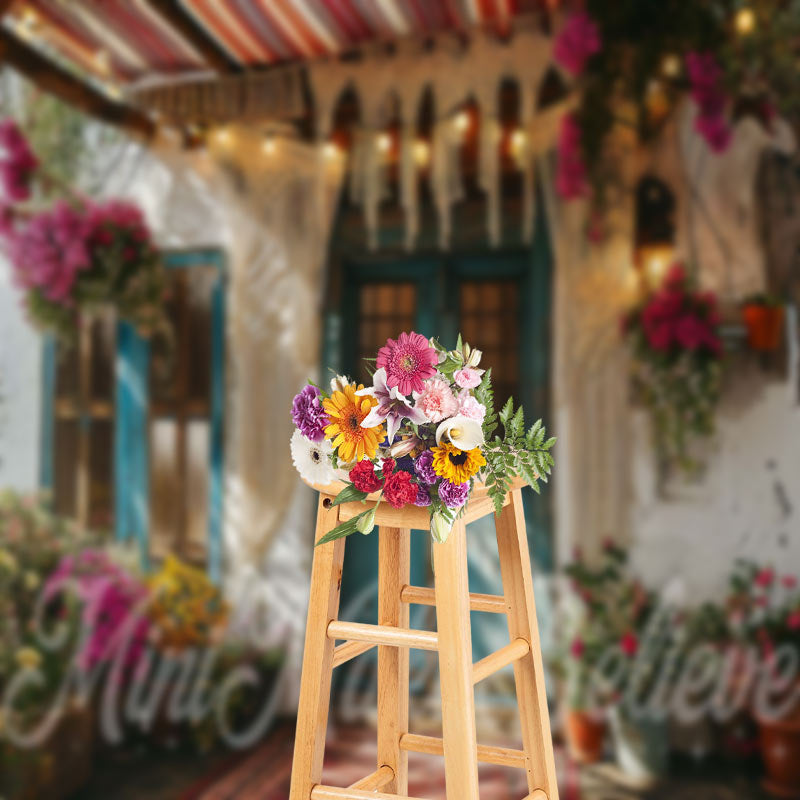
pixel 462 432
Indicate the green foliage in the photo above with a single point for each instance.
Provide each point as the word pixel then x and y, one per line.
pixel 517 454
pixel 343 529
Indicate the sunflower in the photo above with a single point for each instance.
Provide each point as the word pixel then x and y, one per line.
pixel 457 466
pixel 346 412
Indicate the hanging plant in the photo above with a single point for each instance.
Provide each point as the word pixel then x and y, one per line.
pixel 78 255
pixel 633 61
pixel 677 367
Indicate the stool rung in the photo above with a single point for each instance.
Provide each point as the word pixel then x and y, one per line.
pixel 349 650
pixel 502 756
pixel 491 603
pixel 383 634
pixel 494 662
pixel 376 781
pixel 320 792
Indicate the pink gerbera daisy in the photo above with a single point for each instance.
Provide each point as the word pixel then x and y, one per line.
pixel 408 362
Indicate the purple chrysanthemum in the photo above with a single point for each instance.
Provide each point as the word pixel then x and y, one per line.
pixel 423 498
pixel 308 414
pixel 423 466
pixel 453 495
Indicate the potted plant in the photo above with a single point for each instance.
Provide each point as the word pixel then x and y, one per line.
pixel 764 613
pixel 619 659
pixel 676 366
pixel 763 317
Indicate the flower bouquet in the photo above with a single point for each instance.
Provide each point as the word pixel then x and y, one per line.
pixel 676 374
pixel 424 434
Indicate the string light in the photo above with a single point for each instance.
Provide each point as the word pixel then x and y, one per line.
pixel 330 151
pixel 461 121
pixel 671 65
pixel 518 141
pixel 422 153
pixel 103 61
pixel 745 21
pixel 223 137
pixel 27 23
pixel 383 141
pixel 269 146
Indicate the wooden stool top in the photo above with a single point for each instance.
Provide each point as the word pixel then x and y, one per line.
pixel 416 517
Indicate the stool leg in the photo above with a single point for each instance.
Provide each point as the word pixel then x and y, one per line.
pixel 455 666
pixel 515 567
pixel 394 572
pixel 315 682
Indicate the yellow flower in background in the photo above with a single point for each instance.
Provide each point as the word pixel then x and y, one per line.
pixel 187 608
pixel 347 412
pixel 28 657
pixel 457 466
pixel 7 561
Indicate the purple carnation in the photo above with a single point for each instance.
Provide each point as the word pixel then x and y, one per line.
pixel 423 466
pixel 423 498
pixel 308 414
pixel 453 495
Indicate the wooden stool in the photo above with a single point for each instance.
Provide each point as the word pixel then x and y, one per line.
pixel 453 641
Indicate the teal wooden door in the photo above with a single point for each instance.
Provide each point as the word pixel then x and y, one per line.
pixel 500 303
pixel 138 409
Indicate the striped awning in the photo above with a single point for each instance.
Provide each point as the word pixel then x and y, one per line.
pixel 127 41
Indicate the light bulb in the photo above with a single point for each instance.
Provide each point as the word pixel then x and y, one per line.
pixel 223 137
pixel 269 145
pixel 518 140
pixel 330 150
pixel 745 21
pixel 422 153
pixel 461 122
pixel 383 141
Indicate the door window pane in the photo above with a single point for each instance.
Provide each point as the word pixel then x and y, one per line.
pixel 385 310
pixel 489 313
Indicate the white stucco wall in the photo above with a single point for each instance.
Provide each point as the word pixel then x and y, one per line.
pixel 20 391
pixel 747 505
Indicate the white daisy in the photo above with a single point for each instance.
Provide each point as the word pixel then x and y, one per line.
pixel 312 459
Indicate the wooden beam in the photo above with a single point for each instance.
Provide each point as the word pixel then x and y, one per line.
pixel 54 79
pixel 183 23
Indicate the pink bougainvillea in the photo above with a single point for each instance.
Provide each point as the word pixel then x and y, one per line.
pixel 705 77
pixel 17 163
pixel 571 170
pixel 577 42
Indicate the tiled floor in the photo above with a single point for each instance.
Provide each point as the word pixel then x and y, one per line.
pixel 264 774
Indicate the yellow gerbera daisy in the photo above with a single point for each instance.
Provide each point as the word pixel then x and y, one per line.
pixel 346 412
pixel 457 466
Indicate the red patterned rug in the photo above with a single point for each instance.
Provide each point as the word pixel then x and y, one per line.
pixel 350 755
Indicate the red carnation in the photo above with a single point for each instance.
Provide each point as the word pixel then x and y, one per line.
pixel 399 490
pixel 364 478
pixel 388 467
pixel 764 578
pixel 577 649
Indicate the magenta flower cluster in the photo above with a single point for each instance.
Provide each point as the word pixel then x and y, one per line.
pixel 678 318
pixel 571 170
pixel 705 77
pixel 17 164
pixel 54 247
pixel 308 414
pixel 577 42
pixel 112 607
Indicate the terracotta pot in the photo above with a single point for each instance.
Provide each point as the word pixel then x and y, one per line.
pixel 764 326
pixel 586 735
pixel 780 748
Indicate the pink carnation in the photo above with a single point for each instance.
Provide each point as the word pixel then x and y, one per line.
pixel 468 406
pixel 437 401
pixel 468 377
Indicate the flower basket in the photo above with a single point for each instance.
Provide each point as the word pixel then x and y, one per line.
pixel 585 734
pixel 424 437
pixel 780 748
pixel 764 325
